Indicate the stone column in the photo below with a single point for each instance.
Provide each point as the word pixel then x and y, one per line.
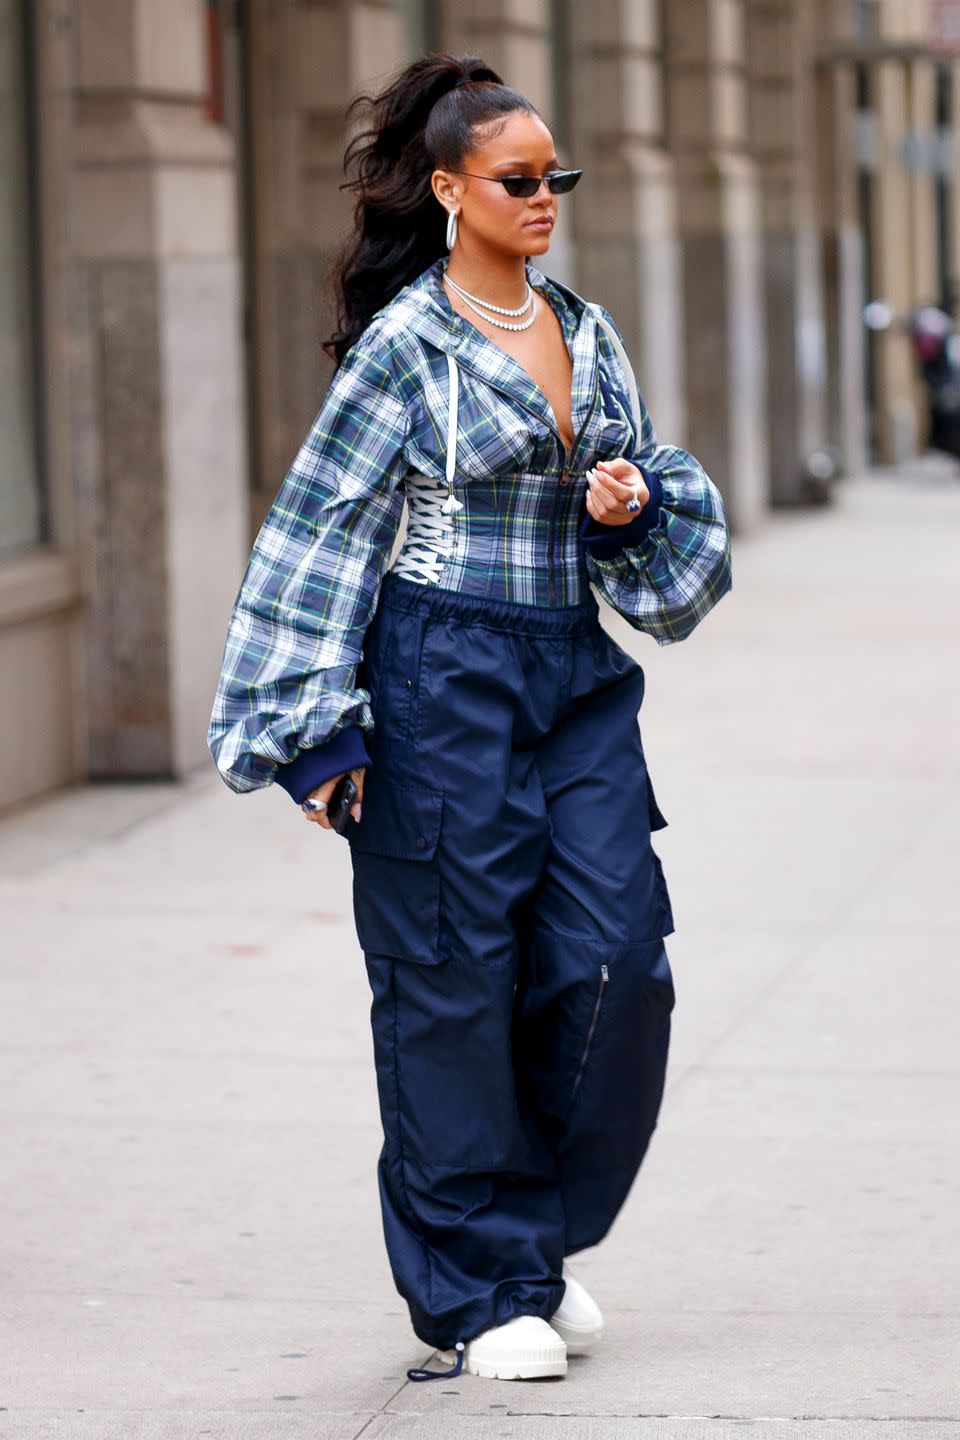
pixel 627 247
pixel 952 143
pixel 902 232
pixel 157 395
pixel 842 247
pixel 922 110
pixel 307 61
pixel 891 239
pixel 725 359
pixel 780 47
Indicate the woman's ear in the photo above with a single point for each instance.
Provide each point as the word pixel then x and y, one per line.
pixel 446 190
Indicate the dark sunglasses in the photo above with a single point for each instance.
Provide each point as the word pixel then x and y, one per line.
pixel 559 182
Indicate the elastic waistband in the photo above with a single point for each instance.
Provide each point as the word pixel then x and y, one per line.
pixel 399 593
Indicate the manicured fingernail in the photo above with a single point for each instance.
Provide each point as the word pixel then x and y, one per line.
pixel 355 812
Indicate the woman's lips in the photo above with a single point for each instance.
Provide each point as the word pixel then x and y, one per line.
pixel 540 224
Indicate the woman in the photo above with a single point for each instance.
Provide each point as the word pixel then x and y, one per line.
pixel 509 903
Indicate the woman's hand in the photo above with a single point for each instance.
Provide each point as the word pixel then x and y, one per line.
pixel 324 791
pixel 610 484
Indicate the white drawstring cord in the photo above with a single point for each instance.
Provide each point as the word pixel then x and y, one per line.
pixel 452 503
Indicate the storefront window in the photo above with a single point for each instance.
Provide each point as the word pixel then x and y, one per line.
pixel 21 512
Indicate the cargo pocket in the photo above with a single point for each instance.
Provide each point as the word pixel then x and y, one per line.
pixel 390 671
pixel 396 875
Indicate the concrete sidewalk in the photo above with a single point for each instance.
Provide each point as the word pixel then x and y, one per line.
pixel 190 1238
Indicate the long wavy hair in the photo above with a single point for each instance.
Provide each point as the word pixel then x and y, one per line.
pixel 421 121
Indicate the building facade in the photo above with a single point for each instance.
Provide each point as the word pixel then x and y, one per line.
pixel 754 171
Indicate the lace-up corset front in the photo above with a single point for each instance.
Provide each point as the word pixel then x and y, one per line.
pixel 430 535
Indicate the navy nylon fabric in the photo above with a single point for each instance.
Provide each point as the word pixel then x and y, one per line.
pixel 512 913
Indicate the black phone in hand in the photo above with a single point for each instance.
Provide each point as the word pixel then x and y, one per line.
pixel 344 794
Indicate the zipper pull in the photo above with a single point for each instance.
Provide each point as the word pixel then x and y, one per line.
pixel 605 973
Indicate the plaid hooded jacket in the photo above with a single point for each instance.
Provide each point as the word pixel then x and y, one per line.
pixel 287 707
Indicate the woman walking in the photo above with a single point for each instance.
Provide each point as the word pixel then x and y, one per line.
pixel 509 903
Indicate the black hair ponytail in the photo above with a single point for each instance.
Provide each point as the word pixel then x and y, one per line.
pixel 423 120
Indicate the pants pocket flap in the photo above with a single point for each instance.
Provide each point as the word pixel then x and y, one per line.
pixel 399 818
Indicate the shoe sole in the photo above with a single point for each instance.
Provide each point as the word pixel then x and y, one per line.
pixel 517 1370
pixel 510 1367
pixel 577 1341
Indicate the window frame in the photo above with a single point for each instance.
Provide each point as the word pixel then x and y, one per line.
pixel 41 581
pixel 28 350
pixel 35 255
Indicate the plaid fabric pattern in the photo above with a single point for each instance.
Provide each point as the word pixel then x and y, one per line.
pixel 295 636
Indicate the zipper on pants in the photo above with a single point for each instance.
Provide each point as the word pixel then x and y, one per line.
pixel 604 977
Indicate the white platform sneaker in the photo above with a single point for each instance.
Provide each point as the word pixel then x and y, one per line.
pixel 524 1348
pixel 579 1319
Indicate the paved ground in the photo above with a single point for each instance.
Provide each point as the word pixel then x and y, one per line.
pixel 190 1241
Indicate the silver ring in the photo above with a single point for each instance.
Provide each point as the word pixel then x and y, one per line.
pixel 313 804
pixel 634 504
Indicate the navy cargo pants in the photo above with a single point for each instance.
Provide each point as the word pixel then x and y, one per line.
pixel 511 910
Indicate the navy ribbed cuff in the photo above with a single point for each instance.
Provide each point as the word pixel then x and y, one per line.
pixel 606 541
pixel 343 751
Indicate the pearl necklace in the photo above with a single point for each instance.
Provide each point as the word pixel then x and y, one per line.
pixel 501 309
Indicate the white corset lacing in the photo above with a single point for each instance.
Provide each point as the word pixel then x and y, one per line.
pixel 430 536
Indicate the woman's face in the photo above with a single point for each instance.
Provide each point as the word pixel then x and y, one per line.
pixel 487 217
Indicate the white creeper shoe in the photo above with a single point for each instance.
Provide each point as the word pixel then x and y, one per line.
pixel 579 1319
pixel 524 1348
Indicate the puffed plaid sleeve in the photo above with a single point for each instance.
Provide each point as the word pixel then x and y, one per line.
pixel 287 707
pixel 665 570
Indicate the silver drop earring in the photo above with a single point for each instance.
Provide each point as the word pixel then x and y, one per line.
pixel 451 229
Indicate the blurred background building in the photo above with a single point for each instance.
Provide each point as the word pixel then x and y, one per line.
pixel 755 172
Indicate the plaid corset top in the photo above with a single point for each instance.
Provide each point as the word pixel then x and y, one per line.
pixel 496 500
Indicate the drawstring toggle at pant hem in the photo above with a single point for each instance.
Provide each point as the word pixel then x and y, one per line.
pixel 419 1373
